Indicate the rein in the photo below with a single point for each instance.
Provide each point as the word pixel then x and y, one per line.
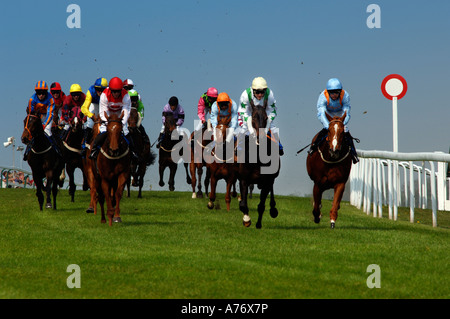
pixel 114 157
pixel 334 162
pixel 75 150
pixel 42 152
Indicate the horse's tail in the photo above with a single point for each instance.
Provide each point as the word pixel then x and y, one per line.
pixel 151 158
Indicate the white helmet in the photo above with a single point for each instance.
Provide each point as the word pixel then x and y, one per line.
pixel 259 83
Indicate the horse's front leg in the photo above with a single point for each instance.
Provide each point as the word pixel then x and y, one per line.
pixel 230 183
pixel 317 194
pixel 109 205
pixel 262 205
pixel 338 193
pixel 243 203
pixel 188 177
pixel 212 193
pixel 48 189
pixel 199 186
pixel 173 171
pixel 118 194
pixel 70 172
pixel 39 194
pixel 192 168
pixel 273 209
pixel 162 167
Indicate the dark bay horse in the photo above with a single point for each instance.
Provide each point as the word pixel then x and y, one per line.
pixel 71 150
pixel 146 156
pixel 43 160
pixel 113 163
pixel 91 173
pixel 224 166
pixel 329 167
pixel 197 161
pixel 167 147
pixel 256 170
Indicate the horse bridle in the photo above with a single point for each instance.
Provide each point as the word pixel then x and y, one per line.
pixel 26 125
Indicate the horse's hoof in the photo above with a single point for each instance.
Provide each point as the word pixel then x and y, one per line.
pixel 103 221
pixel 194 195
pixel 317 218
pixel 199 195
pixel 48 205
pixel 273 212
pixel 171 188
pixel 117 219
pixel 89 210
pixel 258 225
pixel 333 223
pixel 161 184
pixel 246 221
pixel 210 205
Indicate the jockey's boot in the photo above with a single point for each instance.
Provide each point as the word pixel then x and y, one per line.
pixel 281 148
pixel 54 145
pixel 98 142
pixel 132 148
pixel 160 138
pixel 320 137
pixel 349 139
pixel 87 137
pixel 27 150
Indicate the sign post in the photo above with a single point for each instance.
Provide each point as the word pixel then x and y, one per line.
pixel 394 87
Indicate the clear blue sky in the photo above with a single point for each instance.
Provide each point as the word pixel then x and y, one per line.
pixel 183 47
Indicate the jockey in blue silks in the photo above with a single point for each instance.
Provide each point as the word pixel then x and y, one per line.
pixel 334 101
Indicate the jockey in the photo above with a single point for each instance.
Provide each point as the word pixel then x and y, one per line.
pixel 90 107
pixel 224 111
pixel 76 98
pixel 204 107
pixel 41 103
pixel 113 99
pixel 335 101
pixel 58 98
pixel 139 106
pixel 258 95
pixel 177 110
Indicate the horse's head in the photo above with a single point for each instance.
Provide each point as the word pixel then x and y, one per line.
pixel 335 138
pixel 259 118
pixel 32 127
pixel 114 131
pixel 221 133
pixel 133 120
pixel 76 122
pixel 169 124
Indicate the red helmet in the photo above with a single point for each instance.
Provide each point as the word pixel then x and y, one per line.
pixel 116 84
pixel 55 86
pixel 212 92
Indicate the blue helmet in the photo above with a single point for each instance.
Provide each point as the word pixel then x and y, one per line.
pixel 334 84
pixel 101 82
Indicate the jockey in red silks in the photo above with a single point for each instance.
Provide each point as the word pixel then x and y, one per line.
pixel 58 98
pixel 41 103
pixel 114 99
pixel 204 107
pixel 75 99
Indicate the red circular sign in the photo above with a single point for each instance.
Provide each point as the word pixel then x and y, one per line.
pixel 394 85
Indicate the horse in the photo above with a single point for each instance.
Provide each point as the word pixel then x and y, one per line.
pixel 224 166
pixel 91 173
pixel 197 163
pixel 329 167
pixel 113 163
pixel 251 171
pixel 138 168
pixel 166 148
pixel 71 150
pixel 43 160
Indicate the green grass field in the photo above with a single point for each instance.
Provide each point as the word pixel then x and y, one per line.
pixel 171 246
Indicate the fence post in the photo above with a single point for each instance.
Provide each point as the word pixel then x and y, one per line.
pixel 411 192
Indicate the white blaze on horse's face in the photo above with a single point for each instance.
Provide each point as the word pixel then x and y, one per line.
pixel 76 120
pixel 335 142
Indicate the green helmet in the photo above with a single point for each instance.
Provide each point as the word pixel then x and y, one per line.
pixel 134 95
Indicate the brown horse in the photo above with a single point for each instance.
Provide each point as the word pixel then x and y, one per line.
pixel 167 147
pixel 43 160
pixel 146 156
pixel 197 161
pixel 256 170
pixel 329 167
pixel 113 163
pixel 71 150
pixel 224 166
pixel 91 173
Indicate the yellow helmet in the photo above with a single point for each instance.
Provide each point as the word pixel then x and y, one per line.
pixel 75 88
pixel 259 83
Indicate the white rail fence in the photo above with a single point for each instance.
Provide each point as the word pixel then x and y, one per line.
pixel 393 180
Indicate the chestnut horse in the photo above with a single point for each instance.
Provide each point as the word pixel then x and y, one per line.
pixel 138 168
pixel 71 150
pixel 166 148
pixel 224 166
pixel 197 162
pixel 91 173
pixel 329 167
pixel 251 171
pixel 113 163
pixel 43 160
